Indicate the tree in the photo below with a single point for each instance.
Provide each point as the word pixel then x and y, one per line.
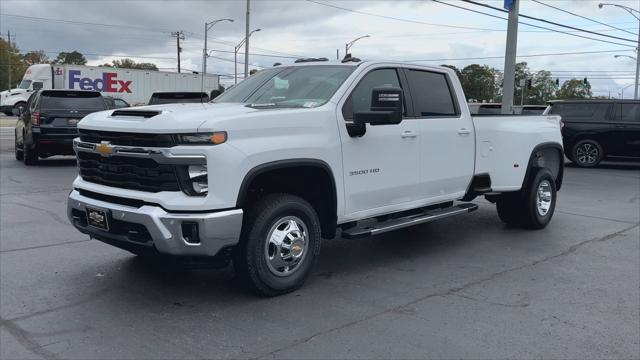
pixel 543 88
pixel 480 82
pixel 36 57
pixel 130 64
pixel 574 89
pixel 73 58
pixel 10 55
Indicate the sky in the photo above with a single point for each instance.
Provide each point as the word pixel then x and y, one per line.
pixel 104 30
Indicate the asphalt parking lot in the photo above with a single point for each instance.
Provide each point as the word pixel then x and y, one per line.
pixel 465 287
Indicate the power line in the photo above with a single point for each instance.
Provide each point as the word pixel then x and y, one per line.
pixel 401 19
pixel 546 21
pixel 528 24
pixel 583 17
pixel 522 56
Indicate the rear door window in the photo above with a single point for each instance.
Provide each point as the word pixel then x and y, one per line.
pixel 71 100
pixel 581 112
pixel 432 95
pixel 629 113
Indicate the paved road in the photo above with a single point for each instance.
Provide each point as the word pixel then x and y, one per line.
pixel 463 287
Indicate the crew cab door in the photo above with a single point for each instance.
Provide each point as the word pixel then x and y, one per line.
pixel 381 168
pixel 447 148
pixel 626 129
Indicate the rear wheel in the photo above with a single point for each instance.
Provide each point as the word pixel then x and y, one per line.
pixel 534 205
pixel 279 244
pixel 29 156
pixel 17 149
pixel 587 153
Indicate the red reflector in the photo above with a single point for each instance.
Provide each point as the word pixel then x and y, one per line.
pixel 46 141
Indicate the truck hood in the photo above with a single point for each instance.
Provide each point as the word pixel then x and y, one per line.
pixel 5 95
pixel 170 118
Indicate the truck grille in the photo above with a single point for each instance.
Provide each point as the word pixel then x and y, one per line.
pixel 128 139
pixel 127 172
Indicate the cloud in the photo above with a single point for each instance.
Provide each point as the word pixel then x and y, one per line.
pixel 309 29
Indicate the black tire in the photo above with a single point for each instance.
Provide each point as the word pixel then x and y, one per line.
pixel 29 156
pixel 251 256
pixel 534 205
pixel 587 153
pixel 21 105
pixel 17 150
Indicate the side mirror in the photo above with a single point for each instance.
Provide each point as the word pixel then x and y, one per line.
pixel 16 111
pixel 37 86
pixel 386 109
pixel 215 94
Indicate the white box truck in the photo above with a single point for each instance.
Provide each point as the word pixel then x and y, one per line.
pixel 134 86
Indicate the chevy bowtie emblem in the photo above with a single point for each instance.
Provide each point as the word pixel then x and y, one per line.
pixel 104 148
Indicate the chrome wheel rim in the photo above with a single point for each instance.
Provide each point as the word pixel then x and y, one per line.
pixel 587 153
pixel 286 246
pixel 544 197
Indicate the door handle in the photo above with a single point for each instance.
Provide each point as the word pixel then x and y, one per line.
pixel 464 131
pixel 408 134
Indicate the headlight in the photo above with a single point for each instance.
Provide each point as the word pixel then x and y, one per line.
pixel 214 138
pixel 194 179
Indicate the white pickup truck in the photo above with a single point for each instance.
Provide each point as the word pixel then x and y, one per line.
pixel 301 152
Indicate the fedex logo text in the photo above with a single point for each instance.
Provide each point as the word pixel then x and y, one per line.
pixel 108 82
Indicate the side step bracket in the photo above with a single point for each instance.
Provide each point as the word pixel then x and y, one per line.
pixel 357 231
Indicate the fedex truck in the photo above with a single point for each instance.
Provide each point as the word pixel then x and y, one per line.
pixel 134 86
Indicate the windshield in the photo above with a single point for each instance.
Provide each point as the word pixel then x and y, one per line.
pixel 62 100
pixel 300 86
pixel 24 84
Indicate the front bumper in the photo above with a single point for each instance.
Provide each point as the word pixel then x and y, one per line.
pixel 164 230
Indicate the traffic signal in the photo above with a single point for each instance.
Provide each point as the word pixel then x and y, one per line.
pixel 557 81
pixel 585 81
pixel 529 84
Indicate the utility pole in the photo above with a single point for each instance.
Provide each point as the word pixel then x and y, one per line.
pixel 510 56
pixel 9 55
pixel 179 35
pixel 338 54
pixel 246 44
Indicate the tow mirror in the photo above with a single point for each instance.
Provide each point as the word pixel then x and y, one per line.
pixel 215 94
pixel 386 109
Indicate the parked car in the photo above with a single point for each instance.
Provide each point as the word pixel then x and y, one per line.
pixel 167 97
pixel 47 126
pixel 301 152
pixel 595 130
pixel 115 103
pixel 529 109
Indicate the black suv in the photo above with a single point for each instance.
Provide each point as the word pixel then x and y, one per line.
pixel 169 97
pixel 47 126
pixel 598 129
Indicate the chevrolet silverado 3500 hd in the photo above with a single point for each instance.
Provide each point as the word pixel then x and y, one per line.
pixel 301 152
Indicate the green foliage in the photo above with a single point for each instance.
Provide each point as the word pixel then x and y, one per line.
pixel 479 82
pixel 73 58
pixel 10 55
pixel 130 64
pixel 574 89
pixel 35 57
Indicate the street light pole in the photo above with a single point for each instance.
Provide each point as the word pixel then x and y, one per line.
pixel 510 59
pixel 633 13
pixel 246 45
pixel 348 45
pixel 235 57
pixel 207 27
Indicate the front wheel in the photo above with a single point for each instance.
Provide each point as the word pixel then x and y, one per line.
pixel 279 244
pixel 534 205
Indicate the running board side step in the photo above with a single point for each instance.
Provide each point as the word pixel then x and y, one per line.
pixel 358 232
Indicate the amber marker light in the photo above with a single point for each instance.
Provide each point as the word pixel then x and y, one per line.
pixel 218 137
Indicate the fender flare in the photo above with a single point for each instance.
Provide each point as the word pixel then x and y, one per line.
pixel 545 146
